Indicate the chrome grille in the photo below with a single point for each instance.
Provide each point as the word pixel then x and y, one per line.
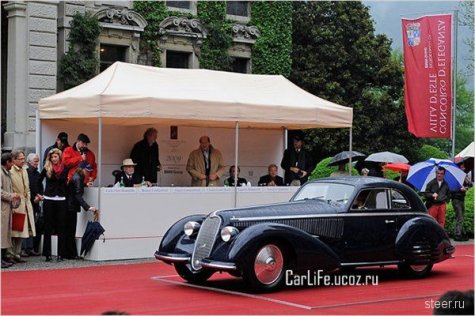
pixel 205 240
pixel 323 227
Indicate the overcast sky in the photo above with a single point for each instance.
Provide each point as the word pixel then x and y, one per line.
pixel 387 17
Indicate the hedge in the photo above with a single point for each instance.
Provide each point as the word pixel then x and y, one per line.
pixel 322 170
pixel 468 216
pixel 427 151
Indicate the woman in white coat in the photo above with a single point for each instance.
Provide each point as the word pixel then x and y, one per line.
pixel 8 199
pixel 21 185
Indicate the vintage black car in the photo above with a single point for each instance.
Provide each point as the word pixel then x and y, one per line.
pixel 329 224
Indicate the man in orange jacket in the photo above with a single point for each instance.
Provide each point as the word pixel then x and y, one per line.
pixel 73 155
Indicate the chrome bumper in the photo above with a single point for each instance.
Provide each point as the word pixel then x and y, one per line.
pixel 218 265
pixel 205 263
pixel 172 257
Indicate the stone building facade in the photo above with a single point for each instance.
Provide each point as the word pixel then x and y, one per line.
pixel 34 39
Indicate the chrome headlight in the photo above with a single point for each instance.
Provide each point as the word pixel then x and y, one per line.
pixel 228 233
pixel 191 228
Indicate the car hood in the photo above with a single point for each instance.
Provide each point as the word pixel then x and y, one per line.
pixel 298 208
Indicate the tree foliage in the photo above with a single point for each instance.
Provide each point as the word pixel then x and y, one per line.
pixel 451 219
pixel 80 63
pixel 154 12
pixel 467 19
pixel 214 50
pixel 428 151
pixel 464 114
pixel 337 56
pixel 322 170
pixel 271 53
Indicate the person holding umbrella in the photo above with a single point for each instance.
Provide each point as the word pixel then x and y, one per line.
pixel 437 194
pixel 458 202
pixel 75 202
pixel 403 169
pixel 341 159
pixel 340 172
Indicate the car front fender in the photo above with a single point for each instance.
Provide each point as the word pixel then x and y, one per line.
pixel 306 251
pixel 175 233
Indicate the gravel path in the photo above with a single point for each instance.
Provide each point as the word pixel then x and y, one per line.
pixel 39 263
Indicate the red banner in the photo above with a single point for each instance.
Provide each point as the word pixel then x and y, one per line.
pixel 427 72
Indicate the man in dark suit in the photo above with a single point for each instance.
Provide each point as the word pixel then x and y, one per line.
pixel 296 162
pixel 127 177
pixel 230 181
pixel 271 179
pixel 146 155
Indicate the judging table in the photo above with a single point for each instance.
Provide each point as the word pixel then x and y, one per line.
pixel 135 219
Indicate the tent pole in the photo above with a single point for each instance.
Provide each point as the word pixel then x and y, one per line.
pixel 286 136
pixel 99 162
pixel 350 166
pixel 236 156
pixel 38 138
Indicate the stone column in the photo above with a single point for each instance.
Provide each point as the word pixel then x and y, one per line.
pixel 17 75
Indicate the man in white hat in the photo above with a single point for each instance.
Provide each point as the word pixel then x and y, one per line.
pixel 127 177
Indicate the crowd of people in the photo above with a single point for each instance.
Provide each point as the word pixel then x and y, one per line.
pixel 67 169
pixel 46 202
pixel 31 209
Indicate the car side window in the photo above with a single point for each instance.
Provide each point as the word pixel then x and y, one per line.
pixel 398 200
pixel 360 202
pixel 373 199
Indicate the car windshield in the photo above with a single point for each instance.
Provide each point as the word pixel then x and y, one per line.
pixel 330 192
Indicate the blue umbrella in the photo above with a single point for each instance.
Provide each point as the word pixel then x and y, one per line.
pixel 91 234
pixel 423 172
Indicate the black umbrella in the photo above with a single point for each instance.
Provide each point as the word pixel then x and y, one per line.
pixel 344 157
pixel 91 234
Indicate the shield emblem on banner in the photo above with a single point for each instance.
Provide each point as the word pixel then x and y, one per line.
pixel 413 31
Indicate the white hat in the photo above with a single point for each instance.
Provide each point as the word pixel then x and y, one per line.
pixel 128 162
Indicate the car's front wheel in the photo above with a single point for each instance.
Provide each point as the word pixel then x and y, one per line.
pixel 192 276
pixel 415 270
pixel 265 267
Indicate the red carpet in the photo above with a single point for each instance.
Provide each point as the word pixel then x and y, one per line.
pixel 154 288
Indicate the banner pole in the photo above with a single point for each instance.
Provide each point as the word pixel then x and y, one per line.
pixel 454 77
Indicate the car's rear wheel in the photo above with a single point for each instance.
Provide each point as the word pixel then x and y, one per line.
pixel 192 276
pixel 415 270
pixel 265 266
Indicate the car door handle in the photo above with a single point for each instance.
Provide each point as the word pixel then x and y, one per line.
pixel 389 221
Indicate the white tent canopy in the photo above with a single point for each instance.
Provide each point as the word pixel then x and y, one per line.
pixel 130 94
pixel 468 151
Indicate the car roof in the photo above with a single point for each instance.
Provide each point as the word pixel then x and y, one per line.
pixel 366 182
pixel 361 181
